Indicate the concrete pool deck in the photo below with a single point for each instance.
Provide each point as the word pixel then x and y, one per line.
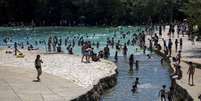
pixel 188 54
pixel 57 84
pixel 16 85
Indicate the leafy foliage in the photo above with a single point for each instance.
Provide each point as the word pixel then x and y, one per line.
pixel 90 12
pixel 193 11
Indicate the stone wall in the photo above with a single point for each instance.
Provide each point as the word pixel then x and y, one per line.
pixel 181 94
pixel 95 93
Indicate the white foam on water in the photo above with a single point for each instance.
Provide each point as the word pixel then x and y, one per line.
pixel 147 85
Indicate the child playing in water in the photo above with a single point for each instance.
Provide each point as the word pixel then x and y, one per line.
pixel 162 93
pixel 135 85
pixel 38 62
pixel 170 94
pixel 148 55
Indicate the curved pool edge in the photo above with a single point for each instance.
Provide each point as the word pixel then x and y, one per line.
pixel 181 94
pixel 95 91
pixel 100 87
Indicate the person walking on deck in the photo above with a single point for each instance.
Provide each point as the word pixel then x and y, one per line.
pixel 190 73
pixel 38 62
pixel 176 44
pixel 170 47
pixel 178 57
pixel 164 43
pixel 181 43
pixel 160 31
pixel 15 47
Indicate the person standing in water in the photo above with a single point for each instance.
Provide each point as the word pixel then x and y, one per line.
pixel 144 49
pixel 38 62
pixel 150 45
pixel 106 52
pixel 162 93
pixel 97 45
pixel 131 62
pixel 170 94
pixel 137 64
pixel 191 72
pixel 125 49
pixel 116 56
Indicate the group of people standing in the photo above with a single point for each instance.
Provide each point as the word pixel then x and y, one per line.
pixel 88 53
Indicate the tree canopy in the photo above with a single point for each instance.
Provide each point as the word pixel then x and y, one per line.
pixel 192 9
pixel 97 12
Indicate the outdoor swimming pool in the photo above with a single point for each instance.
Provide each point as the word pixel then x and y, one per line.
pixel 151 73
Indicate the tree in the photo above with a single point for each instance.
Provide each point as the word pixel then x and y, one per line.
pixel 94 12
pixel 193 10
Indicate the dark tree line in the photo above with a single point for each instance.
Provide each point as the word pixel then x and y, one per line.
pixel 91 12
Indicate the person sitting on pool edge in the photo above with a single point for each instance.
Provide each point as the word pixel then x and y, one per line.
pixel 94 56
pixel 177 74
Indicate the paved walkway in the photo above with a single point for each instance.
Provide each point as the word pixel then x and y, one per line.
pixel 16 85
pixel 190 52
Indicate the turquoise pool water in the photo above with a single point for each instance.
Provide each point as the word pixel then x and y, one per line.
pixel 151 73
